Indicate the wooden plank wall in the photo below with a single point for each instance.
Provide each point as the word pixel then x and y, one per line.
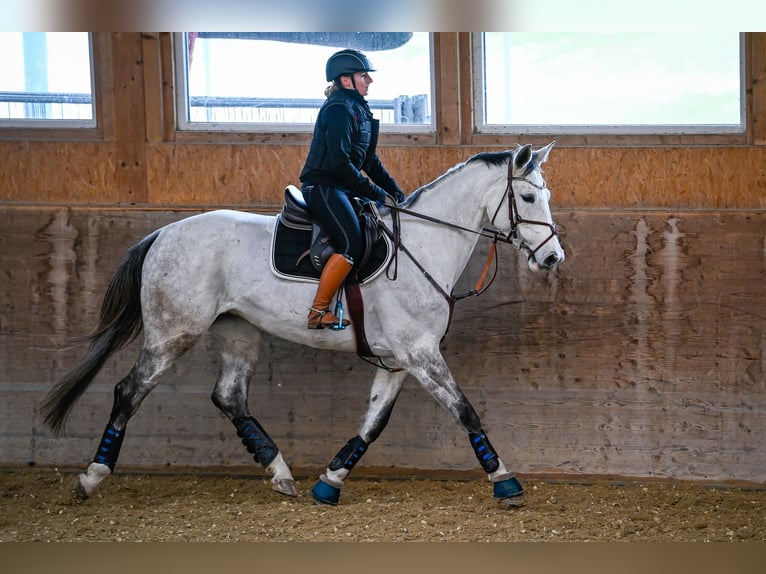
pixel 642 356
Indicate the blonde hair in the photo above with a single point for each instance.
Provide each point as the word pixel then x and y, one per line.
pixel 331 89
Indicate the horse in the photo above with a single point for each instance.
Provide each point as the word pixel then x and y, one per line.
pixel 210 273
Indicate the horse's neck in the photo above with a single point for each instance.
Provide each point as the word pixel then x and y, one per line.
pixel 459 198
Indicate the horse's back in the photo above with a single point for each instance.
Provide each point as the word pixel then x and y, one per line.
pixel 218 230
pixel 200 265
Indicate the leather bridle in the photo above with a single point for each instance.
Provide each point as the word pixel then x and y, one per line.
pixel 512 237
pixel 515 217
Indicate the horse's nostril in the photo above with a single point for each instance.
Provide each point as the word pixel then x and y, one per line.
pixel 551 260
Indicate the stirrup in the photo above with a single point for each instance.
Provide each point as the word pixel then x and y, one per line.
pixel 317 321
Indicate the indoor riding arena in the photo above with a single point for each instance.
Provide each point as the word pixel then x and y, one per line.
pixel 625 389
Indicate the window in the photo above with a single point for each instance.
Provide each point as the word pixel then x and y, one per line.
pixel 610 83
pixel 258 81
pixel 46 80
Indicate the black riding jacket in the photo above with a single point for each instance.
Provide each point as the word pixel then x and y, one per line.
pixel 344 143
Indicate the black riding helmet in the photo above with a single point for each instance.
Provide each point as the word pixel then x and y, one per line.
pixel 347 62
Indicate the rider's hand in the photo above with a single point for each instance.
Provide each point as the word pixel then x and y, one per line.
pixel 391 201
pixel 399 196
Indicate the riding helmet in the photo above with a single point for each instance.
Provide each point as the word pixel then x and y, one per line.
pixel 347 62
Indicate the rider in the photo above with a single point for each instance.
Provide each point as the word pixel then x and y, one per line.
pixel 344 142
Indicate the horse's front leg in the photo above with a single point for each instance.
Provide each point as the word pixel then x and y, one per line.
pixel 383 395
pixel 430 368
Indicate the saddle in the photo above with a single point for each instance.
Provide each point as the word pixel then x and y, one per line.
pixel 301 247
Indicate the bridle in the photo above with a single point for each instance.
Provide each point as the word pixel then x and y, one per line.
pixel 512 238
pixel 515 217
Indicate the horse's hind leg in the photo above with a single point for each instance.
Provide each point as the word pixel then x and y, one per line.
pixel 385 390
pixel 239 343
pixel 152 362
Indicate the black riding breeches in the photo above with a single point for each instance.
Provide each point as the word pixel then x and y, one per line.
pixel 332 208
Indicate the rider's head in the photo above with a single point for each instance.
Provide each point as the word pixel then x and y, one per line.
pixel 349 69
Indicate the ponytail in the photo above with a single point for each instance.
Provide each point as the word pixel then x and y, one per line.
pixel 331 89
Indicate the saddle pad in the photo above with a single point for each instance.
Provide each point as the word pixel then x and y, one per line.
pixel 290 261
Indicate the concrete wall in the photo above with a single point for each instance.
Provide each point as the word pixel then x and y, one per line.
pixel 643 355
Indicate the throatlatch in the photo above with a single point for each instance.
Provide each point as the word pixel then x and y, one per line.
pixel 349 455
pixel 257 441
pixel 109 447
pixel 484 451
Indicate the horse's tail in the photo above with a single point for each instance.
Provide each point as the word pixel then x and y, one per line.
pixel 119 324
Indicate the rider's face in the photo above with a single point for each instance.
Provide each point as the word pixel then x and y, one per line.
pixel 362 81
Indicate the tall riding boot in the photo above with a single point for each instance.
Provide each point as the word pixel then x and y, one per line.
pixel 334 272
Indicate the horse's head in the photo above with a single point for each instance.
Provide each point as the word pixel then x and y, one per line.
pixel 531 226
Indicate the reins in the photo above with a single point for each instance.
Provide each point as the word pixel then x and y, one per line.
pixel 512 238
pixel 492 234
pixel 481 284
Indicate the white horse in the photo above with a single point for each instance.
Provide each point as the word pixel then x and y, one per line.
pixel 211 273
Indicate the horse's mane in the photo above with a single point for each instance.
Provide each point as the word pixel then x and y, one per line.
pixel 489 158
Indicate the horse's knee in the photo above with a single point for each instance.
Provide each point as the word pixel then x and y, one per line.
pixel 230 391
pixel 230 401
pixel 124 402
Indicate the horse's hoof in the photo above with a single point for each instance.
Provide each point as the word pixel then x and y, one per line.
pixel 516 501
pixel 285 486
pixel 325 493
pixel 78 489
pixel 510 492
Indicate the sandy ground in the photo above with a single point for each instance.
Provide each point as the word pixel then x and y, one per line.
pixel 37 505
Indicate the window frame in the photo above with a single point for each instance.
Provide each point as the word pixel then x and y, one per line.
pixel 101 128
pixel 186 128
pixel 56 129
pixel 586 134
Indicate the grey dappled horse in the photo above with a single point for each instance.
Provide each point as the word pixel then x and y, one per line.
pixel 211 273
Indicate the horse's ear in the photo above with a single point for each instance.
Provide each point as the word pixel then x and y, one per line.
pixel 541 155
pixel 523 157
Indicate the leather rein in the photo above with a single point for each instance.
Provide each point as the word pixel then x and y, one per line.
pixel 512 238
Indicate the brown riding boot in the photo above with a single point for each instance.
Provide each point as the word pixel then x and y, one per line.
pixel 333 274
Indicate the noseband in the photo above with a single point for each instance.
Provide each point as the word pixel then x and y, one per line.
pixel 515 217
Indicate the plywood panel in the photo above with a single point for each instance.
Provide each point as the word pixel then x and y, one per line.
pixel 643 355
pixel 52 172
pixel 611 177
pixel 239 175
pixel 255 175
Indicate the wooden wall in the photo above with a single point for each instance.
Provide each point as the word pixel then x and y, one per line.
pixel 642 356
pixel 137 157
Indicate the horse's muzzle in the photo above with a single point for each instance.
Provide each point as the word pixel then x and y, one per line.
pixel 551 261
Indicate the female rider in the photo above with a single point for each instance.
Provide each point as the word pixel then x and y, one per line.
pixel 343 145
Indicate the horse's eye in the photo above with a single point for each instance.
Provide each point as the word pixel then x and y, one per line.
pixel 528 197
